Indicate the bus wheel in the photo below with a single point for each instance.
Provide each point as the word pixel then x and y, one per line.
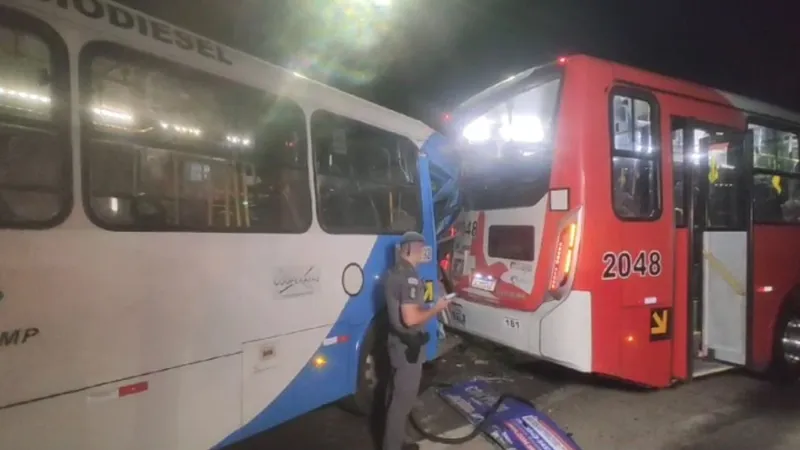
pixel 786 358
pixel 369 367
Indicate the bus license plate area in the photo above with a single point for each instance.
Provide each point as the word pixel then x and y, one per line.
pixel 484 284
pixel 457 314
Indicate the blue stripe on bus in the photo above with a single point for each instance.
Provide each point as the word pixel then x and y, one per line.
pixel 312 387
pixel 429 271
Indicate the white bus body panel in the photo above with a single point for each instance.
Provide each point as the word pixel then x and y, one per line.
pixel 179 308
pixel 187 313
pixel 558 331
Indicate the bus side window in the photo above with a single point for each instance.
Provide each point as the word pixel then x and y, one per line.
pixel 366 177
pixel 170 148
pixel 678 177
pixel 776 181
pixel 34 151
pixel 636 183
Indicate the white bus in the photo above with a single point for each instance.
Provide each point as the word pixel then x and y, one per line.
pixel 191 238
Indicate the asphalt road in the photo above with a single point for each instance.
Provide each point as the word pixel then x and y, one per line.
pixel 330 428
pixel 728 411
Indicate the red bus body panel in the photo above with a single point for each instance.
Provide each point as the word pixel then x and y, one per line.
pixel 622 309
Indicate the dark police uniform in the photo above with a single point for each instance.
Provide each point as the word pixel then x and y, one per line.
pixel 405 344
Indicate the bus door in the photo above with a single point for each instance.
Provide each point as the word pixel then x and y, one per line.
pixel 719 244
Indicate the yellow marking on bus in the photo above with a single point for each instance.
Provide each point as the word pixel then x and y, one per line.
pixel 729 278
pixel 659 324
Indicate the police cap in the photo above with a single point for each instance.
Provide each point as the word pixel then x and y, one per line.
pixel 411 236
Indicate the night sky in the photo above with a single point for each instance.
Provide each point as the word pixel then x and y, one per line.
pixel 421 57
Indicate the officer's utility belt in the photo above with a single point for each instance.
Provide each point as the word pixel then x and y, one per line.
pixel 413 340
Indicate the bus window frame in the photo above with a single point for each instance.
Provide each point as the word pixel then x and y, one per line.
pixel 121 52
pixel 60 118
pixel 504 91
pixel 682 124
pixel 635 93
pixel 691 124
pixel 777 125
pixel 318 199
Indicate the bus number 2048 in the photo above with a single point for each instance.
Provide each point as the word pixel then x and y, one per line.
pixel 623 265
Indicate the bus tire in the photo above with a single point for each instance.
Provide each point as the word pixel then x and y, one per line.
pixel 786 344
pixel 370 361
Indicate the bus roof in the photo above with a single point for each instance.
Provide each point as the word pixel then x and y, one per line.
pixel 109 21
pixel 494 89
pixel 662 82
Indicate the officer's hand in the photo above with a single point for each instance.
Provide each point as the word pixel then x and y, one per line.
pixel 443 303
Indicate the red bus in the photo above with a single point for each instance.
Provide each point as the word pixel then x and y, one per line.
pixel 627 224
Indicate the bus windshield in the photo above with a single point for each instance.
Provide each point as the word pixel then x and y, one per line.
pixel 506 149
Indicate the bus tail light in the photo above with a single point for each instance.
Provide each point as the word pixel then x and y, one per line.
pixel 445 263
pixel 565 256
pixel 565 248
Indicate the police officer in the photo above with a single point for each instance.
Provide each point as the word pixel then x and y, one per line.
pixel 407 318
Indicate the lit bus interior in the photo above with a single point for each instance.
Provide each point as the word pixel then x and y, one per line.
pixel 507 153
pixel 169 152
pixel 31 167
pixel 366 178
pixel 776 198
pixel 634 174
pixel 169 149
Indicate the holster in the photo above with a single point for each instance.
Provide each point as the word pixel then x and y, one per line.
pixel 414 342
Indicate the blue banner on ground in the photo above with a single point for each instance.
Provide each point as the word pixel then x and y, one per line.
pixel 515 426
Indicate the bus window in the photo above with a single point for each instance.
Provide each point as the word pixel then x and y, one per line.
pixel 366 177
pixel 511 242
pixel 776 184
pixel 635 160
pixel 774 150
pixel 678 173
pixel 722 208
pixel 507 151
pixel 174 149
pixel 34 153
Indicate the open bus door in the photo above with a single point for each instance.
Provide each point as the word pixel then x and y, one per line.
pixel 720 225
